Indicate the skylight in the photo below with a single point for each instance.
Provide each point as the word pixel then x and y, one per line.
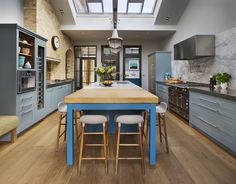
pixel 124 6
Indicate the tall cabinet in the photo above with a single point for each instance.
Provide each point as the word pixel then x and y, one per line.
pixel 159 63
pixel 22 59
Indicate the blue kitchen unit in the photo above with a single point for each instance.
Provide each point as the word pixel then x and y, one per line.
pixel 214 114
pixel 159 68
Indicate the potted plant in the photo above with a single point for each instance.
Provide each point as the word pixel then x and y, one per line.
pixel 104 72
pixel 223 78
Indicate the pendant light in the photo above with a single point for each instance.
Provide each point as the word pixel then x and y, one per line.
pixel 115 51
pixel 115 41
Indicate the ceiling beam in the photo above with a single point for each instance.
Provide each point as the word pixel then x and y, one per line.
pixel 115 7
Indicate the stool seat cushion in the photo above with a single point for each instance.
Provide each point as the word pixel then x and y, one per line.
pixel 161 108
pixel 130 119
pixel 8 123
pixel 62 107
pixel 93 119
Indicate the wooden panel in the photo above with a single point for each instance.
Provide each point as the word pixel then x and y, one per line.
pixel 111 96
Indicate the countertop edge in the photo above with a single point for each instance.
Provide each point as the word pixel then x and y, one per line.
pixel 207 91
pixel 50 85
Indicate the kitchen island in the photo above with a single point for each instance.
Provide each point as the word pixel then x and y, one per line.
pixel 121 95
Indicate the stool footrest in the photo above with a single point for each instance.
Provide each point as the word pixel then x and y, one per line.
pixel 129 145
pixel 93 133
pixel 94 144
pixel 130 158
pixel 129 133
pixel 93 158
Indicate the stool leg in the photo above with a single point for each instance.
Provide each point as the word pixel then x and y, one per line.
pixel 107 143
pixel 81 150
pixel 165 132
pixel 117 148
pixel 141 149
pixel 105 146
pixel 65 128
pixel 59 132
pixel 159 124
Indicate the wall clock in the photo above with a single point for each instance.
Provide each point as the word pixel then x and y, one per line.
pixel 55 42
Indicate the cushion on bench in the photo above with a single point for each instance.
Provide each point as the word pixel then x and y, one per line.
pixel 8 123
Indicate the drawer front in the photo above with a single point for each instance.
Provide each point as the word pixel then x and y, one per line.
pixel 25 102
pixel 162 92
pixel 214 131
pixel 215 116
pixel 26 119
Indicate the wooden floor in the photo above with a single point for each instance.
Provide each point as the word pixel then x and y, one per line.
pixel 192 159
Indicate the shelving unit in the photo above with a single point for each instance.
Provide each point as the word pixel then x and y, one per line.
pixel 26 42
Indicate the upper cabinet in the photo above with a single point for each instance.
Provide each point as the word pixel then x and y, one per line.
pixel 195 47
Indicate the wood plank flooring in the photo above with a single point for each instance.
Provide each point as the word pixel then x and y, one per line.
pixel 193 159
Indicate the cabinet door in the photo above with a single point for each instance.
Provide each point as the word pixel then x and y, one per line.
pixel 26 110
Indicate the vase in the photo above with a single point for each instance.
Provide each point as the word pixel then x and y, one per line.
pixel 224 85
pixel 101 78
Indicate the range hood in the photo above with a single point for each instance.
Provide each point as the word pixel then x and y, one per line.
pixel 195 47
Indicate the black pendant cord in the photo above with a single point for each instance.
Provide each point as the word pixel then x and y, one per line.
pixel 115 5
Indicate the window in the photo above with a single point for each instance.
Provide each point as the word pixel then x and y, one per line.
pixel 111 59
pixel 124 6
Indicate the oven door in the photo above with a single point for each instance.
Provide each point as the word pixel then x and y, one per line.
pixel 26 81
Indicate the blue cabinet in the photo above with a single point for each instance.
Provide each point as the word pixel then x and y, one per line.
pixel 25 110
pixel 216 117
pixel 162 92
pixel 159 63
pixel 56 94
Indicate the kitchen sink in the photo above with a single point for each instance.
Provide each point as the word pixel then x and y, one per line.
pixel 122 82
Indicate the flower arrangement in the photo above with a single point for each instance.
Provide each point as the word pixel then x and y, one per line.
pixel 104 72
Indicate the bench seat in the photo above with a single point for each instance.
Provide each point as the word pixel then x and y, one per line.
pixel 9 124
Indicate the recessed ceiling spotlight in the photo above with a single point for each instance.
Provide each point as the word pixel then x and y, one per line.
pixel 61 12
pixel 167 18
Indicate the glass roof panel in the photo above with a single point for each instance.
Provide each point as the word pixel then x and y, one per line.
pixel 95 7
pixel 107 5
pixel 134 7
pixel 122 6
pixel 148 6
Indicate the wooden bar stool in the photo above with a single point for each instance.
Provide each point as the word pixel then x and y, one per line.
pixel 62 108
pixel 93 120
pixel 130 120
pixel 160 110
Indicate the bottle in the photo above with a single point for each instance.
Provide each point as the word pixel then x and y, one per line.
pixel 212 83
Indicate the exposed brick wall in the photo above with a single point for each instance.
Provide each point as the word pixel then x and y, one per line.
pixel 43 19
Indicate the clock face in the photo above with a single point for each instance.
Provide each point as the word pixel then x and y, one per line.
pixel 55 42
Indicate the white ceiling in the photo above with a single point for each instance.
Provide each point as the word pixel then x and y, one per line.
pixel 98 28
pixel 98 35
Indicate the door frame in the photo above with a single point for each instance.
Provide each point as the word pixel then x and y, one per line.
pixel 133 55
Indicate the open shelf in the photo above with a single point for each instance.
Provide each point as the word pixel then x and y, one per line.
pixel 27 55
pixel 25 44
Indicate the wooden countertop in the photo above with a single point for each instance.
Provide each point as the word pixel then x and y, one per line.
pixel 109 95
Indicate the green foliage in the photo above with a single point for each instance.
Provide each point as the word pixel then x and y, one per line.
pixel 104 70
pixel 223 77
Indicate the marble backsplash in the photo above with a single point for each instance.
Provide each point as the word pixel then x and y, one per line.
pixel 199 70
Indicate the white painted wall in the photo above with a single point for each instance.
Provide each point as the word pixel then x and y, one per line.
pixel 147 48
pixel 204 17
pixel 12 11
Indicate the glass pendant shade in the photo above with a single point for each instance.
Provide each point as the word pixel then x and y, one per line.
pixel 116 50
pixel 115 41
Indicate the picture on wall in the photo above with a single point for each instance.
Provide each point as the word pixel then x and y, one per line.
pixel 134 64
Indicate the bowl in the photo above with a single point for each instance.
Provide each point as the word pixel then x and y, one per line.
pixel 25 50
pixel 107 83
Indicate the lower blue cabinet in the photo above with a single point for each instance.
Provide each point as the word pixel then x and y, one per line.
pixel 215 117
pixel 25 110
